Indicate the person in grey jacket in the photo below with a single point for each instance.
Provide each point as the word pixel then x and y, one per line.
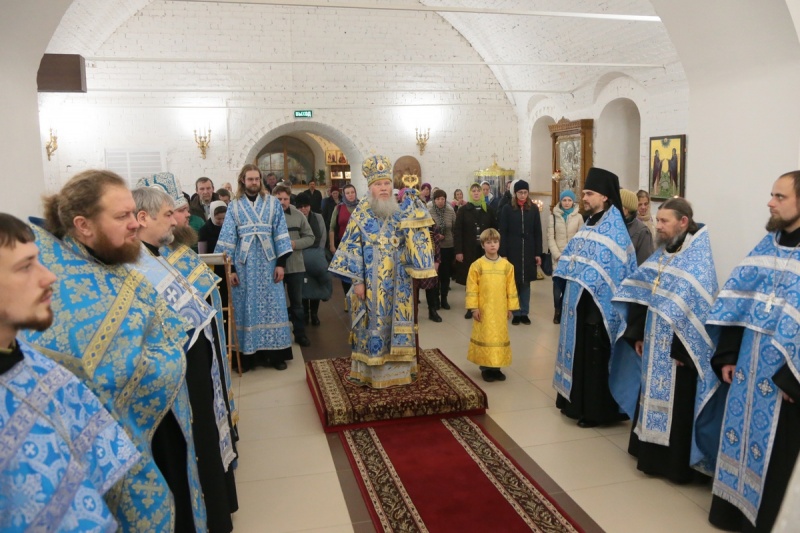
pixel 640 234
pixel 318 283
pixel 302 237
pixel 565 222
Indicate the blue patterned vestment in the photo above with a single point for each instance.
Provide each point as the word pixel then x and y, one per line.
pixel 677 306
pixel 113 331
pixel 596 259
pixel 203 279
pixel 188 302
pixel 60 450
pixel 255 235
pixel 763 296
pixel 385 255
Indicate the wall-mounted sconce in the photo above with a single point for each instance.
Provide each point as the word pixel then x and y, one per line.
pixel 203 140
pixel 422 139
pixel 52 144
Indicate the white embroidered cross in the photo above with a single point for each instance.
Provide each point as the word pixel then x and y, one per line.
pixel 731 435
pixel 664 342
pixel 756 451
pixel 765 387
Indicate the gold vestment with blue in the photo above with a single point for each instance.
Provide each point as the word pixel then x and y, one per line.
pixel 113 331
pixel 386 256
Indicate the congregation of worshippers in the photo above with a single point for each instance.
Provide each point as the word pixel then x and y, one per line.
pixel 116 401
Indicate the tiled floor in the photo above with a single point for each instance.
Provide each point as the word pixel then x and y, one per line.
pixel 294 477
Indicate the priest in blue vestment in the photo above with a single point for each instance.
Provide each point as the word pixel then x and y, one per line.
pixel 256 238
pixel 122 340
pixel 664 305
pixel 594 263
pixel 757 361
pixel 61 451
pixel 154 212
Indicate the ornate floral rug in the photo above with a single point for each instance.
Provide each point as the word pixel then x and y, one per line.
pixel 441 389
pixel 444 476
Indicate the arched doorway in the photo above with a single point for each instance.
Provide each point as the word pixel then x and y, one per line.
pixel 617 142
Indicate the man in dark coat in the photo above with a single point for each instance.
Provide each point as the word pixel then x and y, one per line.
pixel 521 243
pixel 471 220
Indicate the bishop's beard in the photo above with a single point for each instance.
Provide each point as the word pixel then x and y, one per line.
pixel 185 235
pixel 384 208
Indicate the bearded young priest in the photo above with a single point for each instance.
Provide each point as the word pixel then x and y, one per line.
pixel 119 337
pixel 664 305
pixel 60 450
pixel 757 362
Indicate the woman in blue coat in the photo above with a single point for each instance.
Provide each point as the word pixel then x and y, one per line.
pixel 521 243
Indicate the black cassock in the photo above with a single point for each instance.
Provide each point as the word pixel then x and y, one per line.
pixel 590 398
pixel 673 461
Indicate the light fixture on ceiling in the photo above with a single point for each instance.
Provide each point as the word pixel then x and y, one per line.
pixel 422 139
pixel 203 140
pixel 51 145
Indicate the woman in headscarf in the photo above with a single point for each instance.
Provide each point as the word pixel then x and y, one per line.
pixel 471 220
pixel 564 224
pixel 425 193
pixel 521 243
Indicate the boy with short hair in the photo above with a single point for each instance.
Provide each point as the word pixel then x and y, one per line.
pixel 491 296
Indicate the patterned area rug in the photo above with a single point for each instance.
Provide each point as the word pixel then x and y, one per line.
pixel 441 389
pixel 444 476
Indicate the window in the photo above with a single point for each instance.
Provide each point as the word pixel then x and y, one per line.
pixel 135 165
pixel 287 156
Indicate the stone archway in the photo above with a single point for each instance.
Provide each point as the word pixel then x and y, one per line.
pixel 263 136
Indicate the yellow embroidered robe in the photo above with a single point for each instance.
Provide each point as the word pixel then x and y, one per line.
pixel 491 288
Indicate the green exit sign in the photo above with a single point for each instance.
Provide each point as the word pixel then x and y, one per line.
pixel 305 113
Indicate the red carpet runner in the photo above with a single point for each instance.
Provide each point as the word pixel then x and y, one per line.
pixel 444 476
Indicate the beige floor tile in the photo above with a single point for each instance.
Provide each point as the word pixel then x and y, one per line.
pixel 283 457
pixel 544 425
pixel 277 422
pixel 620 440
pixel 537 368
pixel 584 463
pixel 644 505
pixel 515 394
pixel 294 503
pixel 546 386
pixel 616 429
pixel 293 393
pixel 699 494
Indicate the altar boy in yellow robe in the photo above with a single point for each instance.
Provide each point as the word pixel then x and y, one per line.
pixel 491 296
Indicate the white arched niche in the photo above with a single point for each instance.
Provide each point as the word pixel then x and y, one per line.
pixel 541 155
pixel 617 142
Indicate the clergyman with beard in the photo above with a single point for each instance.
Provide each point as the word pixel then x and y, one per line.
pixel 256 238
pixel 154 212
pixel 657 364
pixel 119 337
pixel 384 248
pixel 50 478
pixel 757 361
